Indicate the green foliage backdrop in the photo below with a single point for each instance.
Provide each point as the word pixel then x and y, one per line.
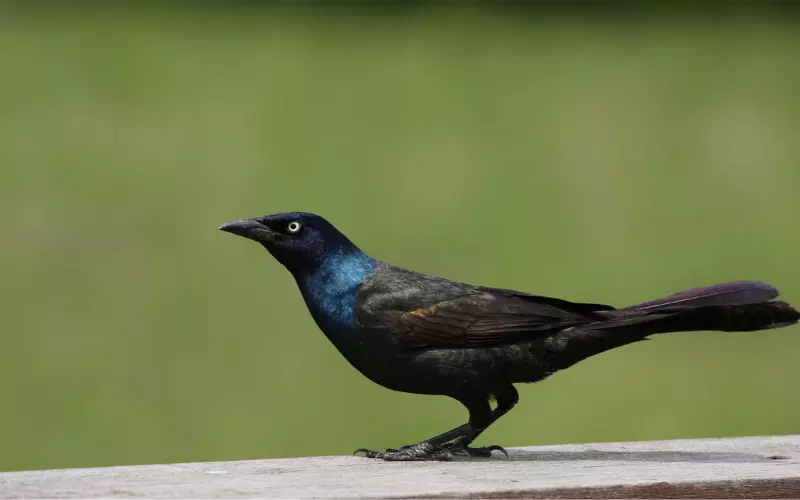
pixel 590 160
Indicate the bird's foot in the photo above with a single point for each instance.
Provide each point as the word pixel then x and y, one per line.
pixel 414 452
pixel 457 450
pixel 482 451
pixel 427 451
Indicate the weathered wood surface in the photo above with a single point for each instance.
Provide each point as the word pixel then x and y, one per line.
pixel 755 467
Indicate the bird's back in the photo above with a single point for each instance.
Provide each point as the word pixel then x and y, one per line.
pixel 406 304
pixel 427 334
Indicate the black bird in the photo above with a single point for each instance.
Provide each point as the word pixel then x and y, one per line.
pixel 423 334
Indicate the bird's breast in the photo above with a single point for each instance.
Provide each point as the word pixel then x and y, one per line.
pixel 330 291
pixel 332 311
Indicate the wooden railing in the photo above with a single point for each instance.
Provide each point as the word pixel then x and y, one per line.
pixel 753 467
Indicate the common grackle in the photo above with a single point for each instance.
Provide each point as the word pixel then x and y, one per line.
pixel 427 335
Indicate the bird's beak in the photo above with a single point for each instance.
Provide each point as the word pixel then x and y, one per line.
pixel 248 228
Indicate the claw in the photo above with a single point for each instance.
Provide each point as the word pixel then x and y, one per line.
pixel 459 450
pixel 494 447
pixel 420 451
pixel 486 451
pixel 427 451
pixel 367 453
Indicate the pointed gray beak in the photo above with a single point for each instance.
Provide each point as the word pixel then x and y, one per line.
pixel 248 228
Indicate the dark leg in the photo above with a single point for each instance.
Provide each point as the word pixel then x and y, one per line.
pixel 437 448
pixel 456 442
pixel 507 398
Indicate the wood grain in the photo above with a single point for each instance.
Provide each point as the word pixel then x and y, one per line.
pixel 754 467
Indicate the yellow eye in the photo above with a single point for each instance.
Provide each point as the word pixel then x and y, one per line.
pixel 293 227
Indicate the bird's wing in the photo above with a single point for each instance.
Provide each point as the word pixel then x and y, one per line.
pixel 487 317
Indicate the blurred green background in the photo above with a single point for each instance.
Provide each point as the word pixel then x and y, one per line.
pixel 592 157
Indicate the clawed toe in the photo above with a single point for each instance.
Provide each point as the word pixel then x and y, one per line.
pixel 486 451
pixel 415 452
pixel 367 453
pixel 456 450
pixel 427 451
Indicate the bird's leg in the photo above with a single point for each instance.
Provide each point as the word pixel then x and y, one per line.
pixel 507 398
pixel 455 442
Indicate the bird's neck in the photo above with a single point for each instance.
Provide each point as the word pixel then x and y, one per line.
pixel 331 287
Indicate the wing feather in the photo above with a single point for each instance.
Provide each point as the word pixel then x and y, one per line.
pixel 421 311
pixel 486 319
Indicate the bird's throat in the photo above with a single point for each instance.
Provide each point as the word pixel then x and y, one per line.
pixel 330 290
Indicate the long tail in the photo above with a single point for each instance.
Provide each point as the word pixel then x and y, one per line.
pixel 739 306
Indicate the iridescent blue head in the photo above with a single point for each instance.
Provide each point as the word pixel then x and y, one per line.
pixel 298 240
pixel 328 267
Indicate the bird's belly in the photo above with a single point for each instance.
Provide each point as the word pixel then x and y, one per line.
pixel 372 356
pixel 437 371
pixel 451 371
pixel 379 361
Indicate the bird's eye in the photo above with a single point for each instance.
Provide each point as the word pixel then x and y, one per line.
pixel 293 227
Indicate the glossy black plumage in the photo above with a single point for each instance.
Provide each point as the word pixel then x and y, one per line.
pixel 423 334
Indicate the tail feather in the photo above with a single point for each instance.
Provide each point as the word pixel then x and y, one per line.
pixel 734 318
pixel 741 306
pixel 737 306
pixel 727 294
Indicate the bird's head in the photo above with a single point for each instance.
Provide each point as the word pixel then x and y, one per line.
pixel 300 241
